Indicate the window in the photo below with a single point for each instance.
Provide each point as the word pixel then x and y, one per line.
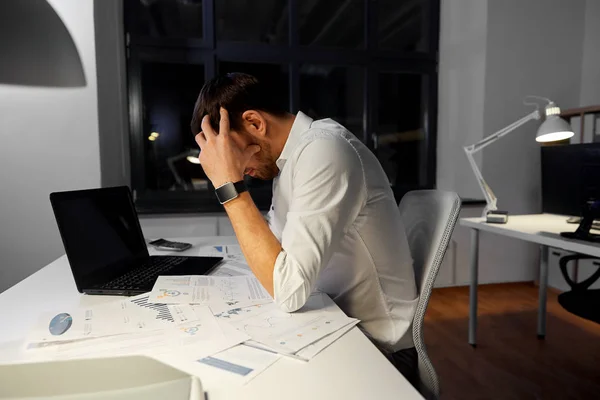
pixel 329 91
pixel 252 21
pixel 369 64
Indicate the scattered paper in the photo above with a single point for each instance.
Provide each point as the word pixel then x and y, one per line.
pixel 220 293
pixel 310 351
pixel 201 337
pixel 212 251
pixel 241 363
pixel 227 252
pixel 234 252
pixel 129 315
pixel 231 268
pixel 287 333
pixel 239 312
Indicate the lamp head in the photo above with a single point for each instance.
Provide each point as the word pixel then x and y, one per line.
pixel 194 157
pixel 554 128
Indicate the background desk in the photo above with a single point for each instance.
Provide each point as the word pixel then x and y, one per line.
pixel 351 368
pixel 543 229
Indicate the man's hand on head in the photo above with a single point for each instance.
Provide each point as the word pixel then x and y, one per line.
pixel 222 160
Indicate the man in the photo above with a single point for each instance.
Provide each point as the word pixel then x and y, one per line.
pixel 334 225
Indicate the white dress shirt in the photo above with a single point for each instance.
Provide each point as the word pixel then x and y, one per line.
pixel 340 231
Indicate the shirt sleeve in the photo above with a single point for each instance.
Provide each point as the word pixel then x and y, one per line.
pixel 328 193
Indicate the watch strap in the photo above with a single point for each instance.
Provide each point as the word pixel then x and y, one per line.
pixel 240 186
pixel 230 191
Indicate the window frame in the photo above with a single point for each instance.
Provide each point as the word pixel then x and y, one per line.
pixel 208 52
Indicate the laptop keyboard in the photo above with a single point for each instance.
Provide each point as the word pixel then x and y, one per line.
pixel 139 277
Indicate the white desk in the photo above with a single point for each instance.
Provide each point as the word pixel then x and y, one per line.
pixel 351 368
pixel 543 229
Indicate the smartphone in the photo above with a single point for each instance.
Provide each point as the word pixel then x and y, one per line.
pixel 167 245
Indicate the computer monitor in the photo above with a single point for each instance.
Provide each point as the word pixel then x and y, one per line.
pixel 570 177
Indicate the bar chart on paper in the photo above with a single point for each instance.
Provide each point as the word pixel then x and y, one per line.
pixel 161 310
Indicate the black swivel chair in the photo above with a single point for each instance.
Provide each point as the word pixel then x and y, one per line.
pixel 580 300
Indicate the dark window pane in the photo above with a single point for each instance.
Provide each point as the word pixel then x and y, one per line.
pixel 169 94
pixel 400 135
pixel 164 18
pixel 331 23
pixel 256 21
pixel 328 91
pixel 271 74
pixel 401 25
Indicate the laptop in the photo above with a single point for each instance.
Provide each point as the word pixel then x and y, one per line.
pixel 105 246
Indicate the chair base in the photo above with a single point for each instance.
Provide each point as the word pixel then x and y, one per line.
pixel 583 303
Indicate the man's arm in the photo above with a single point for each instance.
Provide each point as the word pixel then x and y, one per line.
pixel 328 195
pixel 224 162
pixel 259 245
pixel 329 192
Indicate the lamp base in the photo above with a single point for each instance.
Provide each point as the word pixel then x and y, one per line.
pixel 496 217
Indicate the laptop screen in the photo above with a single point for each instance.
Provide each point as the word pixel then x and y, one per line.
pixel 100 232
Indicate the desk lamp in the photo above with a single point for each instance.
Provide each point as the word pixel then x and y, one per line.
pixel 36 47
pixel 552 129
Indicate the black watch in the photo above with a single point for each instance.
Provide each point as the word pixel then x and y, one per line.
pixel 229 191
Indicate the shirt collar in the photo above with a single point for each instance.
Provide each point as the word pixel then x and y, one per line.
pixel 301 124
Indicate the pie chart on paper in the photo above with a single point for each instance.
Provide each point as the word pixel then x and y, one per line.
pixel 60 324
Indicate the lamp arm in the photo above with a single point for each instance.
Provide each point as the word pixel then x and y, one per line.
pixel 171 164
pixel 490 197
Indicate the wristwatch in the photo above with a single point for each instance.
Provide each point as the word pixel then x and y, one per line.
pixel 229 191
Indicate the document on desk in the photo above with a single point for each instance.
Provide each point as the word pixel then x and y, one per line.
pixel 237 365
pixel 232 268
pixel 130 315
pixel 288 333
pixel 200 337
pixel 234 253
pixel 229 252
pixel 220 293
pixel 310 351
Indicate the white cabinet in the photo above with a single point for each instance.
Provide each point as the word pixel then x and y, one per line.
pixel 176 226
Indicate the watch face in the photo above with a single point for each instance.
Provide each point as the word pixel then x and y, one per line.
pixel 226 192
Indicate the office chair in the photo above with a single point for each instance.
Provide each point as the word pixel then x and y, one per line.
pixel 580 300
pixel 429 217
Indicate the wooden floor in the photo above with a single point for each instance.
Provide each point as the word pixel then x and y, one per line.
pixel 509 361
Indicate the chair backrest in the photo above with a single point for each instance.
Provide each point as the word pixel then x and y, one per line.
pixel 429 217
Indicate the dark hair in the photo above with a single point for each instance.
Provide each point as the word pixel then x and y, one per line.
pixel 237 93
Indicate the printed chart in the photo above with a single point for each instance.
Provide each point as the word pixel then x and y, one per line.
pixel 289 333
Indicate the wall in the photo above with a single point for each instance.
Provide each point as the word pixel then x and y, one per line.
pixel 492 55
pixel 533 48
pixel 49 143
pixel 180 226
pixel 590 71
pixel 461 83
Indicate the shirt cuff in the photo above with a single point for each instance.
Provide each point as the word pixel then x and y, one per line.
pixel 290 289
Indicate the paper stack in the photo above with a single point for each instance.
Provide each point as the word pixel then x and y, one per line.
pixel 235 296
pixel 130 326
pixel 224 322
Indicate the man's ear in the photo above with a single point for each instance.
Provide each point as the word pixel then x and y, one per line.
pixel 255 123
